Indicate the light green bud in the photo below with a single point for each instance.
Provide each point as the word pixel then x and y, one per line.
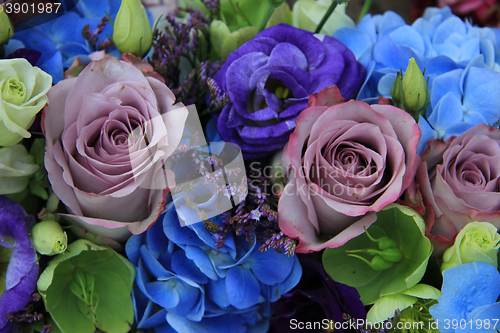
pixel 6 28
pixel 411 93
pixel 49 238
pixel 476 242
pixel 131 30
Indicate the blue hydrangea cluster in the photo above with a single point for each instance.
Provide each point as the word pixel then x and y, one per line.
pixel 460 60
pixel 469 302
pixel 60 40
pixel 185 283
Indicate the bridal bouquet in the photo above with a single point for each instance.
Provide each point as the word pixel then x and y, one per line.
pixel 247 166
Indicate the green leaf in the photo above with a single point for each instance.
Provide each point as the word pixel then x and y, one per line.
pixel 236 39
pixel 282 14
pixel 89 287
pixel 407 229
pixel 37 189
pixel 423 291
pixel 218 33
pixel 37 150
pixel 385 307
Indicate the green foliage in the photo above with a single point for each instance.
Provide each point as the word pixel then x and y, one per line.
pixel 398 223
pixel 89 287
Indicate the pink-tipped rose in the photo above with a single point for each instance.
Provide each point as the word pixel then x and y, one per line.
pixel 480 9
pixel 342 162
pixel 458 181
pixel 106 131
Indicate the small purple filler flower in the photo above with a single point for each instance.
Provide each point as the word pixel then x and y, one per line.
pixel 19 279
pixel 269 80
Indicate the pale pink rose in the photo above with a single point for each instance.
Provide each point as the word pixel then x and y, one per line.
pixel 97 163
pixel 457 183
pixel 340 163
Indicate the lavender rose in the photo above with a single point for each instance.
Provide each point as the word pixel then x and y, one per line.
pixel 342 162
pixel 458 181
pixel 269 80
pixel 107 132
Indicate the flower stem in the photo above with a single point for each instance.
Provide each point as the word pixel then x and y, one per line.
pixel 326 16
pixel 267 15
pixel 365 9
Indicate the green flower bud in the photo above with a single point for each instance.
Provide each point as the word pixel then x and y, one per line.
pixel 6 28
pixel 131 31
pixel 377 263
pixel 411 93
pixel 49 238
pixel 476 242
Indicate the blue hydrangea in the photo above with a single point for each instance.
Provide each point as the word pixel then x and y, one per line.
pixel 460 60
pixel 60 40
pixel 470 293
pixel 186 284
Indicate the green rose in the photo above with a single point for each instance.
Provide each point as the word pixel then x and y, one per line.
pixel 308 13
pixel 477 241
pixel 23 89
pixel 16 168
pixel 49 238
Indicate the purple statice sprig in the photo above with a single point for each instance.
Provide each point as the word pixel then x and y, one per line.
pixel 32 313
pixel 92 36
pixel 256 215
pixel 183 45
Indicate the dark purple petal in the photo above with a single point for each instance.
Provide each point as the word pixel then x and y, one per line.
pixel 22 271
pixel 269 80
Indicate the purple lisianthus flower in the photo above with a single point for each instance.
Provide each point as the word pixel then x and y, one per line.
pixel 316 298
pixel 18 262
pixel 269 80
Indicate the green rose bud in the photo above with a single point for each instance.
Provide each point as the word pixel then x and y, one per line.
pixel 6 28
pixel 49 238
pixel 411 91
pixel 477 241
pixel 308 13
pixel 16 168
pixel 23 89
pixel 131 31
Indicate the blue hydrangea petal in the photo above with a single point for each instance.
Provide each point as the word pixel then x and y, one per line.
pixel 388 21
pixel 444 84
pixel 177 234
pixel 54 67
pixel 221 324
pixel 408 36
pixel 428 133
pixel 93 9
pixel 465 288
pixel 481 87
pixel 217 292
pixel 450 26
pixel 132 247
pixel 270 267
pixel 153 265
pixel 164 293
pixel 448 111
pixel 480 317
pixel 186 268
pixel 358 41
pixel 242 298
pixel 385 84
pixel 202 261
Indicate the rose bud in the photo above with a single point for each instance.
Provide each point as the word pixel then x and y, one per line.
pixel 49 238
pixel 131 31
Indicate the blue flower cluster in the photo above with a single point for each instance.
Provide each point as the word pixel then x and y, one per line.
pixel 60 40
pixel 469 301
pixel 186 284
pixel 460 60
